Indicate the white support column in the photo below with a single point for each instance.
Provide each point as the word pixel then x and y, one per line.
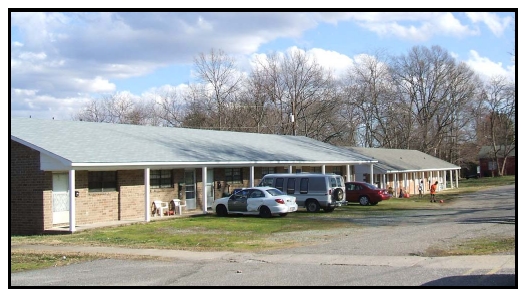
pixel 252 176
pixel 290 169
pixel 444 179
pixel 384 181
pixel 457 178
pixel 438 180
pixel 414 182
pixel 147 194
pixel 323 169
pixel 205 191
pixel 371 166
pixel 404 177
pixel 72 201
pixel 348 173
pixel 395 183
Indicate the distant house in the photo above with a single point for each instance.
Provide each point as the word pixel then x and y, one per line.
pixel 488 165
pixel 400 168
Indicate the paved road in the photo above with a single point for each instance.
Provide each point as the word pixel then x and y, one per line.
pixel 385 251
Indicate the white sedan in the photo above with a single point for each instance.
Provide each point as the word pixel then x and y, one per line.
pixel 263 201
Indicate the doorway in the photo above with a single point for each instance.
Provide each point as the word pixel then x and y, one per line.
pixel 60 198
pixel 190 189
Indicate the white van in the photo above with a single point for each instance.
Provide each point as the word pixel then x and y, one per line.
pixel 312 190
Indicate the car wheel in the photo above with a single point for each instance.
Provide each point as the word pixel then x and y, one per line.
pixel 329 209
pixel 338 194
pixel 221 210
pixel 265 212
pixel 364 200
pixel 283 214
pixel 373 203
pixel 313 206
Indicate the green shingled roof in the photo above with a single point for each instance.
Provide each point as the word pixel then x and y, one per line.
pixel 398 160
pixel 90 142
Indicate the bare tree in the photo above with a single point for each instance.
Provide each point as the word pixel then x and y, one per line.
pixel 270 73
pixel 433 89
pixel 218 71
pixel 500 125
pixel 372 94
pixel 93 111
pixel 169 108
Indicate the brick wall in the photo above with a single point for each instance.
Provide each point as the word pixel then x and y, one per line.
pixel 29 191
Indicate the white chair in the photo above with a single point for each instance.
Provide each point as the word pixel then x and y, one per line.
pixel 178 206
pixel 160 207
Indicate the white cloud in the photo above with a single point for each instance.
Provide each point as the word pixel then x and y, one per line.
pixel 32 56
pixel 338 63
pixel 28 103
pixel 487 68
pixel 97 84
pixel 415 26
pixel 495 23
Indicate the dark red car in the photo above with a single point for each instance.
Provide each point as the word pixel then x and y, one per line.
pixel 365 193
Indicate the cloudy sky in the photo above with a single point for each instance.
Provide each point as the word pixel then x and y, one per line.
pixel 61 60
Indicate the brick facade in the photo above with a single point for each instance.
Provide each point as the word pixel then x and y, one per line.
pixel 28 199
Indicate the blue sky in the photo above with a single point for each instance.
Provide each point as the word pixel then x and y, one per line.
pixel 61 60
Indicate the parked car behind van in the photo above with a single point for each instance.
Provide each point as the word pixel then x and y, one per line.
pixel 312 190
pixel 365 193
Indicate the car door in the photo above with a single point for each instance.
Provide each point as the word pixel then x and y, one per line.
pixel 255 200
pixel 238 201
pixel 352 191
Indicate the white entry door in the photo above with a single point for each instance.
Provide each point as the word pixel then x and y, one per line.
pixel 60 198
pixel 190 189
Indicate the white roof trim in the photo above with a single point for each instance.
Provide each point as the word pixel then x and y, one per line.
pixel 62 160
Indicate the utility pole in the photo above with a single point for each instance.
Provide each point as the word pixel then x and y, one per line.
pixel 293 119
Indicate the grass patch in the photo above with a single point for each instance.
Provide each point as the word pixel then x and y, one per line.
pixel 24 260
pixel 198 233
pixel 478 246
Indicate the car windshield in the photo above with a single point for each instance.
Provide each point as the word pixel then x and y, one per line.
pixel 274 192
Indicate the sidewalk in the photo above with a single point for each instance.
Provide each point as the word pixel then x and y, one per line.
pixel 493 262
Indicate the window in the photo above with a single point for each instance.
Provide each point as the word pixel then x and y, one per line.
pixel 304 183
pixel 256 194
pixel 233 175
pixel 102 181
pixel 492 165
pixel 316 169
pixel 266 182
pixel 161 178
pixel 291 186
pixel 279 183
pixel 337 170
pixel 267 170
